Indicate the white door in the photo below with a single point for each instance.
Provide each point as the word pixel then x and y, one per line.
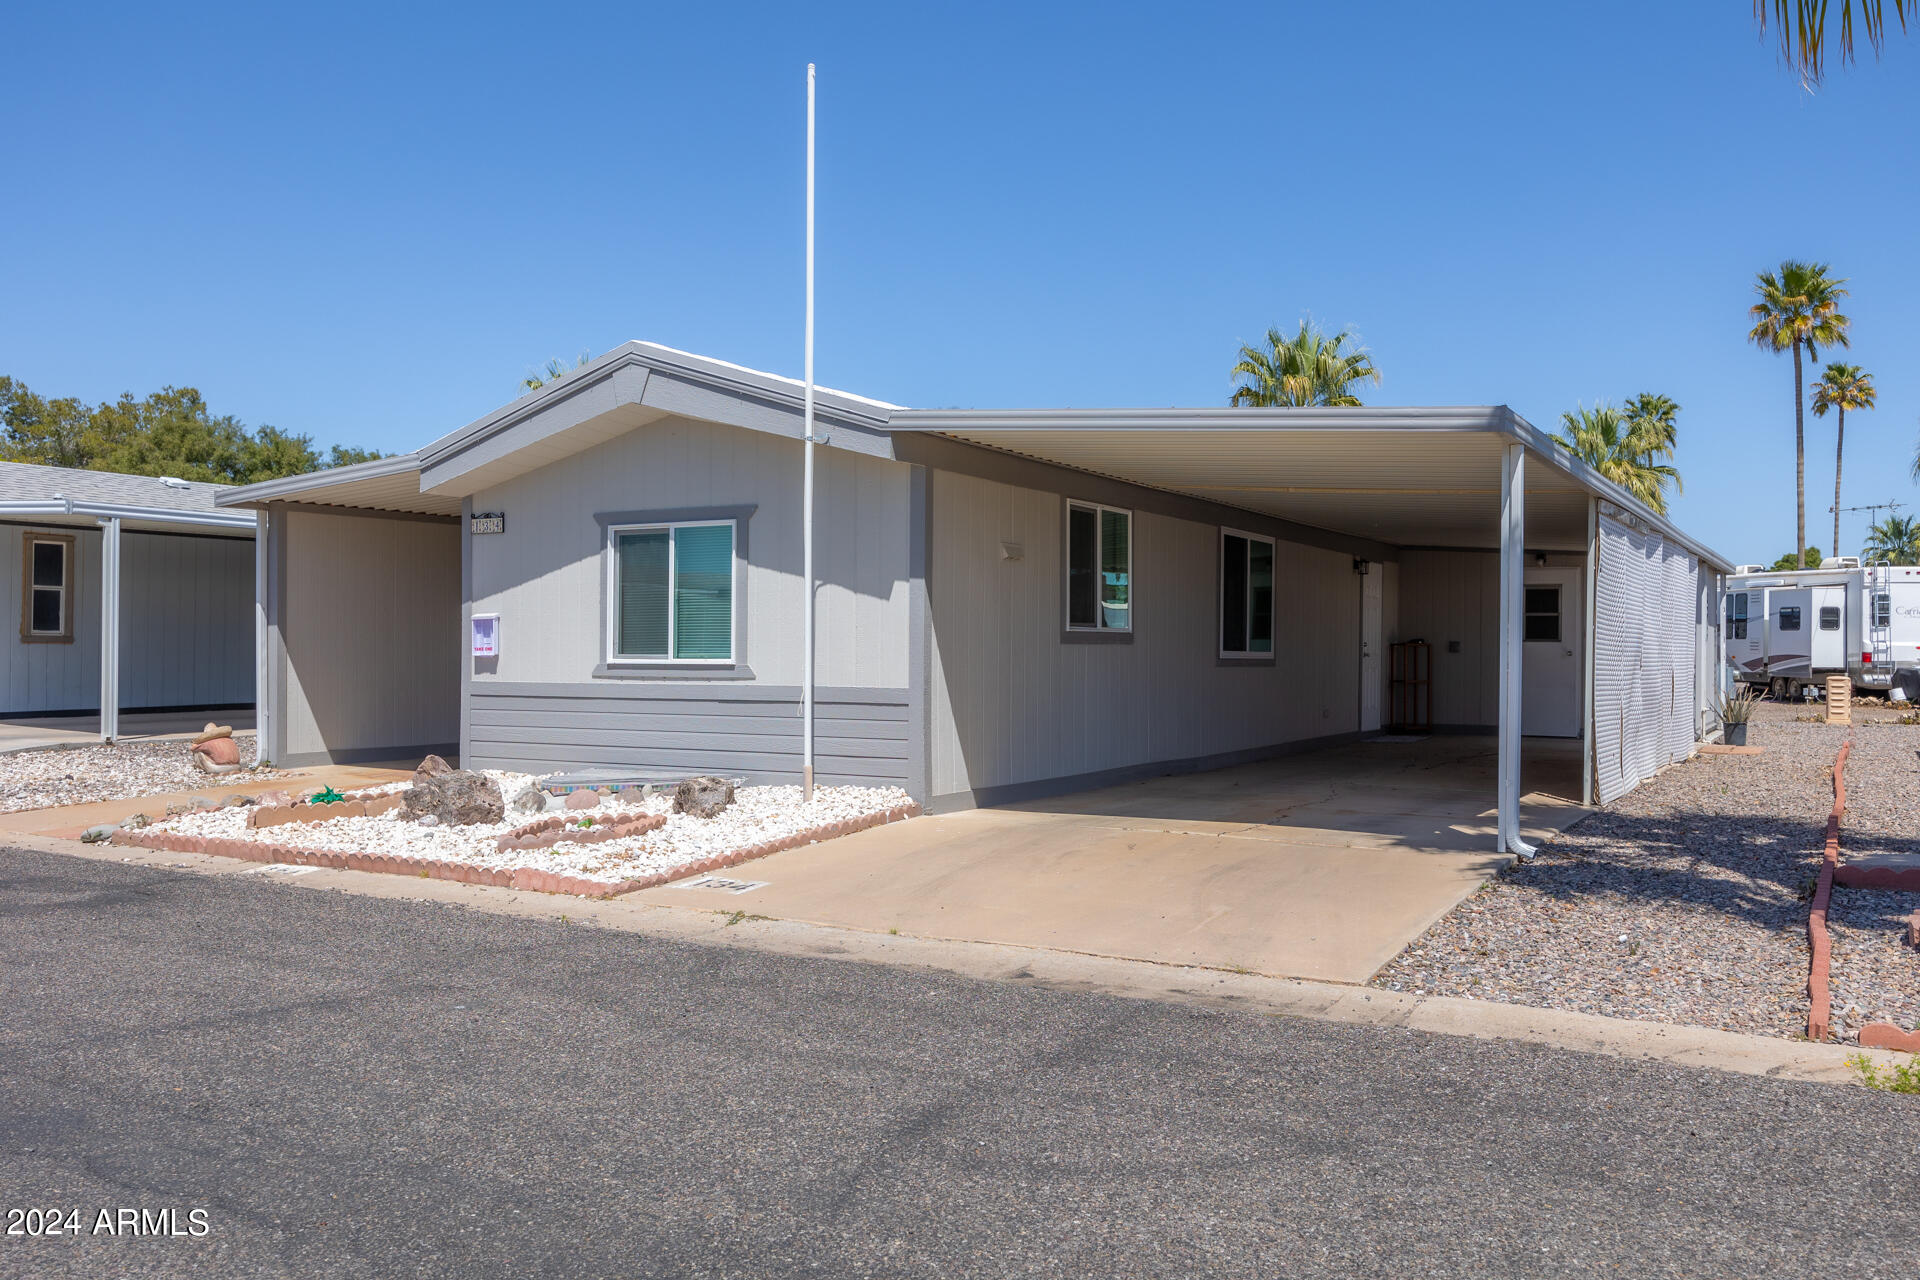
pixel 1370 589
pixel 1550 664
pixel 1829 636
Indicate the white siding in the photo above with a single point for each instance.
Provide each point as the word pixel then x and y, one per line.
pixel 543 575
pixel 1645 658
pixel 186 608
pixel 1012 703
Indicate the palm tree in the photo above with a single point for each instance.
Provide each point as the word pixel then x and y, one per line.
pixel 1842 387
pixel 1799 307
pixel 1654 418
pixel 1895 540
pixel 1309 368
pixel 1803 28
pixel 1622 449
pixel 555 368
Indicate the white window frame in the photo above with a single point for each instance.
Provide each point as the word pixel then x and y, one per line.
pixel 1066 572
pixel 610 578
pixel 63 632
pixel 1248 654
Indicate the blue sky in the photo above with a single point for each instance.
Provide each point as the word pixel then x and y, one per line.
pixel 368 223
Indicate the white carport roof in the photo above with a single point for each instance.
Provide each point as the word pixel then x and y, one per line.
pixel 1427 477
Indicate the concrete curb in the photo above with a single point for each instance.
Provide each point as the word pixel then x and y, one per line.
pixel 1071 971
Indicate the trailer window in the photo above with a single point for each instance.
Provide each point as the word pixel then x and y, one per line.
pixel 1829 618
pixel 46 598
pixel 1882 609
pixel 1790 618
pixel 1737 616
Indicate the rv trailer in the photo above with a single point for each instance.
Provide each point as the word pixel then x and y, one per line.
pixel 1785 631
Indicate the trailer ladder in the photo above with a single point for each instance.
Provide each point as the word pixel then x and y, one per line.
pixel 1878 607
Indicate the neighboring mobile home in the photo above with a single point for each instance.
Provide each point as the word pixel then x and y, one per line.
pixel 606 574
pixel 170 574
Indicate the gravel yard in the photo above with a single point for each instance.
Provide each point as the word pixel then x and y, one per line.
pixel 1686 900
pixel 758 815
pixel 1876 975
pixel 75 775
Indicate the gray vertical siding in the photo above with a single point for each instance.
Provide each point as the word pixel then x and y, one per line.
pixel 547 704
pixel 188 625
pixel 369 635
pixel 1016 710
pixel 1454 597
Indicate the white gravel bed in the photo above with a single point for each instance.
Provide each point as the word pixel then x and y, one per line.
pixel 76 775
pixel 1685 901
pixel 757 815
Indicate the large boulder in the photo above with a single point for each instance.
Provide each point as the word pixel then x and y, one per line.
pixel 702 797
pixel 455 797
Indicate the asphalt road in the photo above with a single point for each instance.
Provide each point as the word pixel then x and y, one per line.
pixel 358 1087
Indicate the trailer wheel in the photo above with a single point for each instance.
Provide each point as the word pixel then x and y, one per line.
pixel 1780 689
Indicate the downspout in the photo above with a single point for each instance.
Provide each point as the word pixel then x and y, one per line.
pixel 263 709
pixel 109 628
pixel 1512 612
pixel 1590 626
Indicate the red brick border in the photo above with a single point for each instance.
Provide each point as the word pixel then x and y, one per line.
pixel 1901 879
pixel 1819 970
pixel 527 878
pixel 1884 1035
pixel 361 805
pixel 558 829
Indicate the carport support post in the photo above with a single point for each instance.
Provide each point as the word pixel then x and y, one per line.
pixel 109 628
pixel 1513 580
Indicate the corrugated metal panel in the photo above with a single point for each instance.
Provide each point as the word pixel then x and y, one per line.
pixel 1619 632
pixel 1681 607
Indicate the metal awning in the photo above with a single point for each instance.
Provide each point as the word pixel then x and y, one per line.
pixel 1426 477
pixel 385 484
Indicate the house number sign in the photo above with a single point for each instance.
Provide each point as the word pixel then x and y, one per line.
pixel 488 522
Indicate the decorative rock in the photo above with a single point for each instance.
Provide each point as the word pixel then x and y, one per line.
pixel 527 801
pixel 458 797
pixel 702 797
pixel 219 751
pixel 212 732
pixel 204 802
pixel 429 820
pixel 582 800
pixel 137 821
pixel 238 801
pixel 98 835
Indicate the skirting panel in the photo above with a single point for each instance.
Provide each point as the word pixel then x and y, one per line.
pixel 861 736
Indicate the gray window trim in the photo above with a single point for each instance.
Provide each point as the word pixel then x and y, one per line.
pixel 610 668
pixel 1094 635
pixel 1222 657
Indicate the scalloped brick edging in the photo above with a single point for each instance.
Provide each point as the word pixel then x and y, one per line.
pixel 1820 968
pixel 526 878
pixel 548 832
pixel 354 806
pixel 1900 879
pixel 1884 1035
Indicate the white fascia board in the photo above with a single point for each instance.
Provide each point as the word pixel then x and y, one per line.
pixel 67 507
pixel 291 487
pixel 1212 418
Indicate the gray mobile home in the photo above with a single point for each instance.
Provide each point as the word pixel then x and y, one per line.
pixel 134 593
pixel 606 573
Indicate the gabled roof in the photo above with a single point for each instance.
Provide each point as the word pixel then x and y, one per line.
pixel 1403 476
pixel 72 495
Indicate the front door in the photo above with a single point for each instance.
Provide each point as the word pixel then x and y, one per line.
pixel 1553 632
pixel 1370 597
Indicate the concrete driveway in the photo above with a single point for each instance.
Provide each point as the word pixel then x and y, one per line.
pixel 1312 866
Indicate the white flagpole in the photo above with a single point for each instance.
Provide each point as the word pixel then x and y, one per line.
pixel 806 518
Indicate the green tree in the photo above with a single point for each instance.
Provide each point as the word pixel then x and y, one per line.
pixel 1624 449
pixel 1789 562
pixel 1841 387
pixel 169 433
pixel 1803 28
pixel 1309 368
pixel 1799 307
pixel 1895 540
